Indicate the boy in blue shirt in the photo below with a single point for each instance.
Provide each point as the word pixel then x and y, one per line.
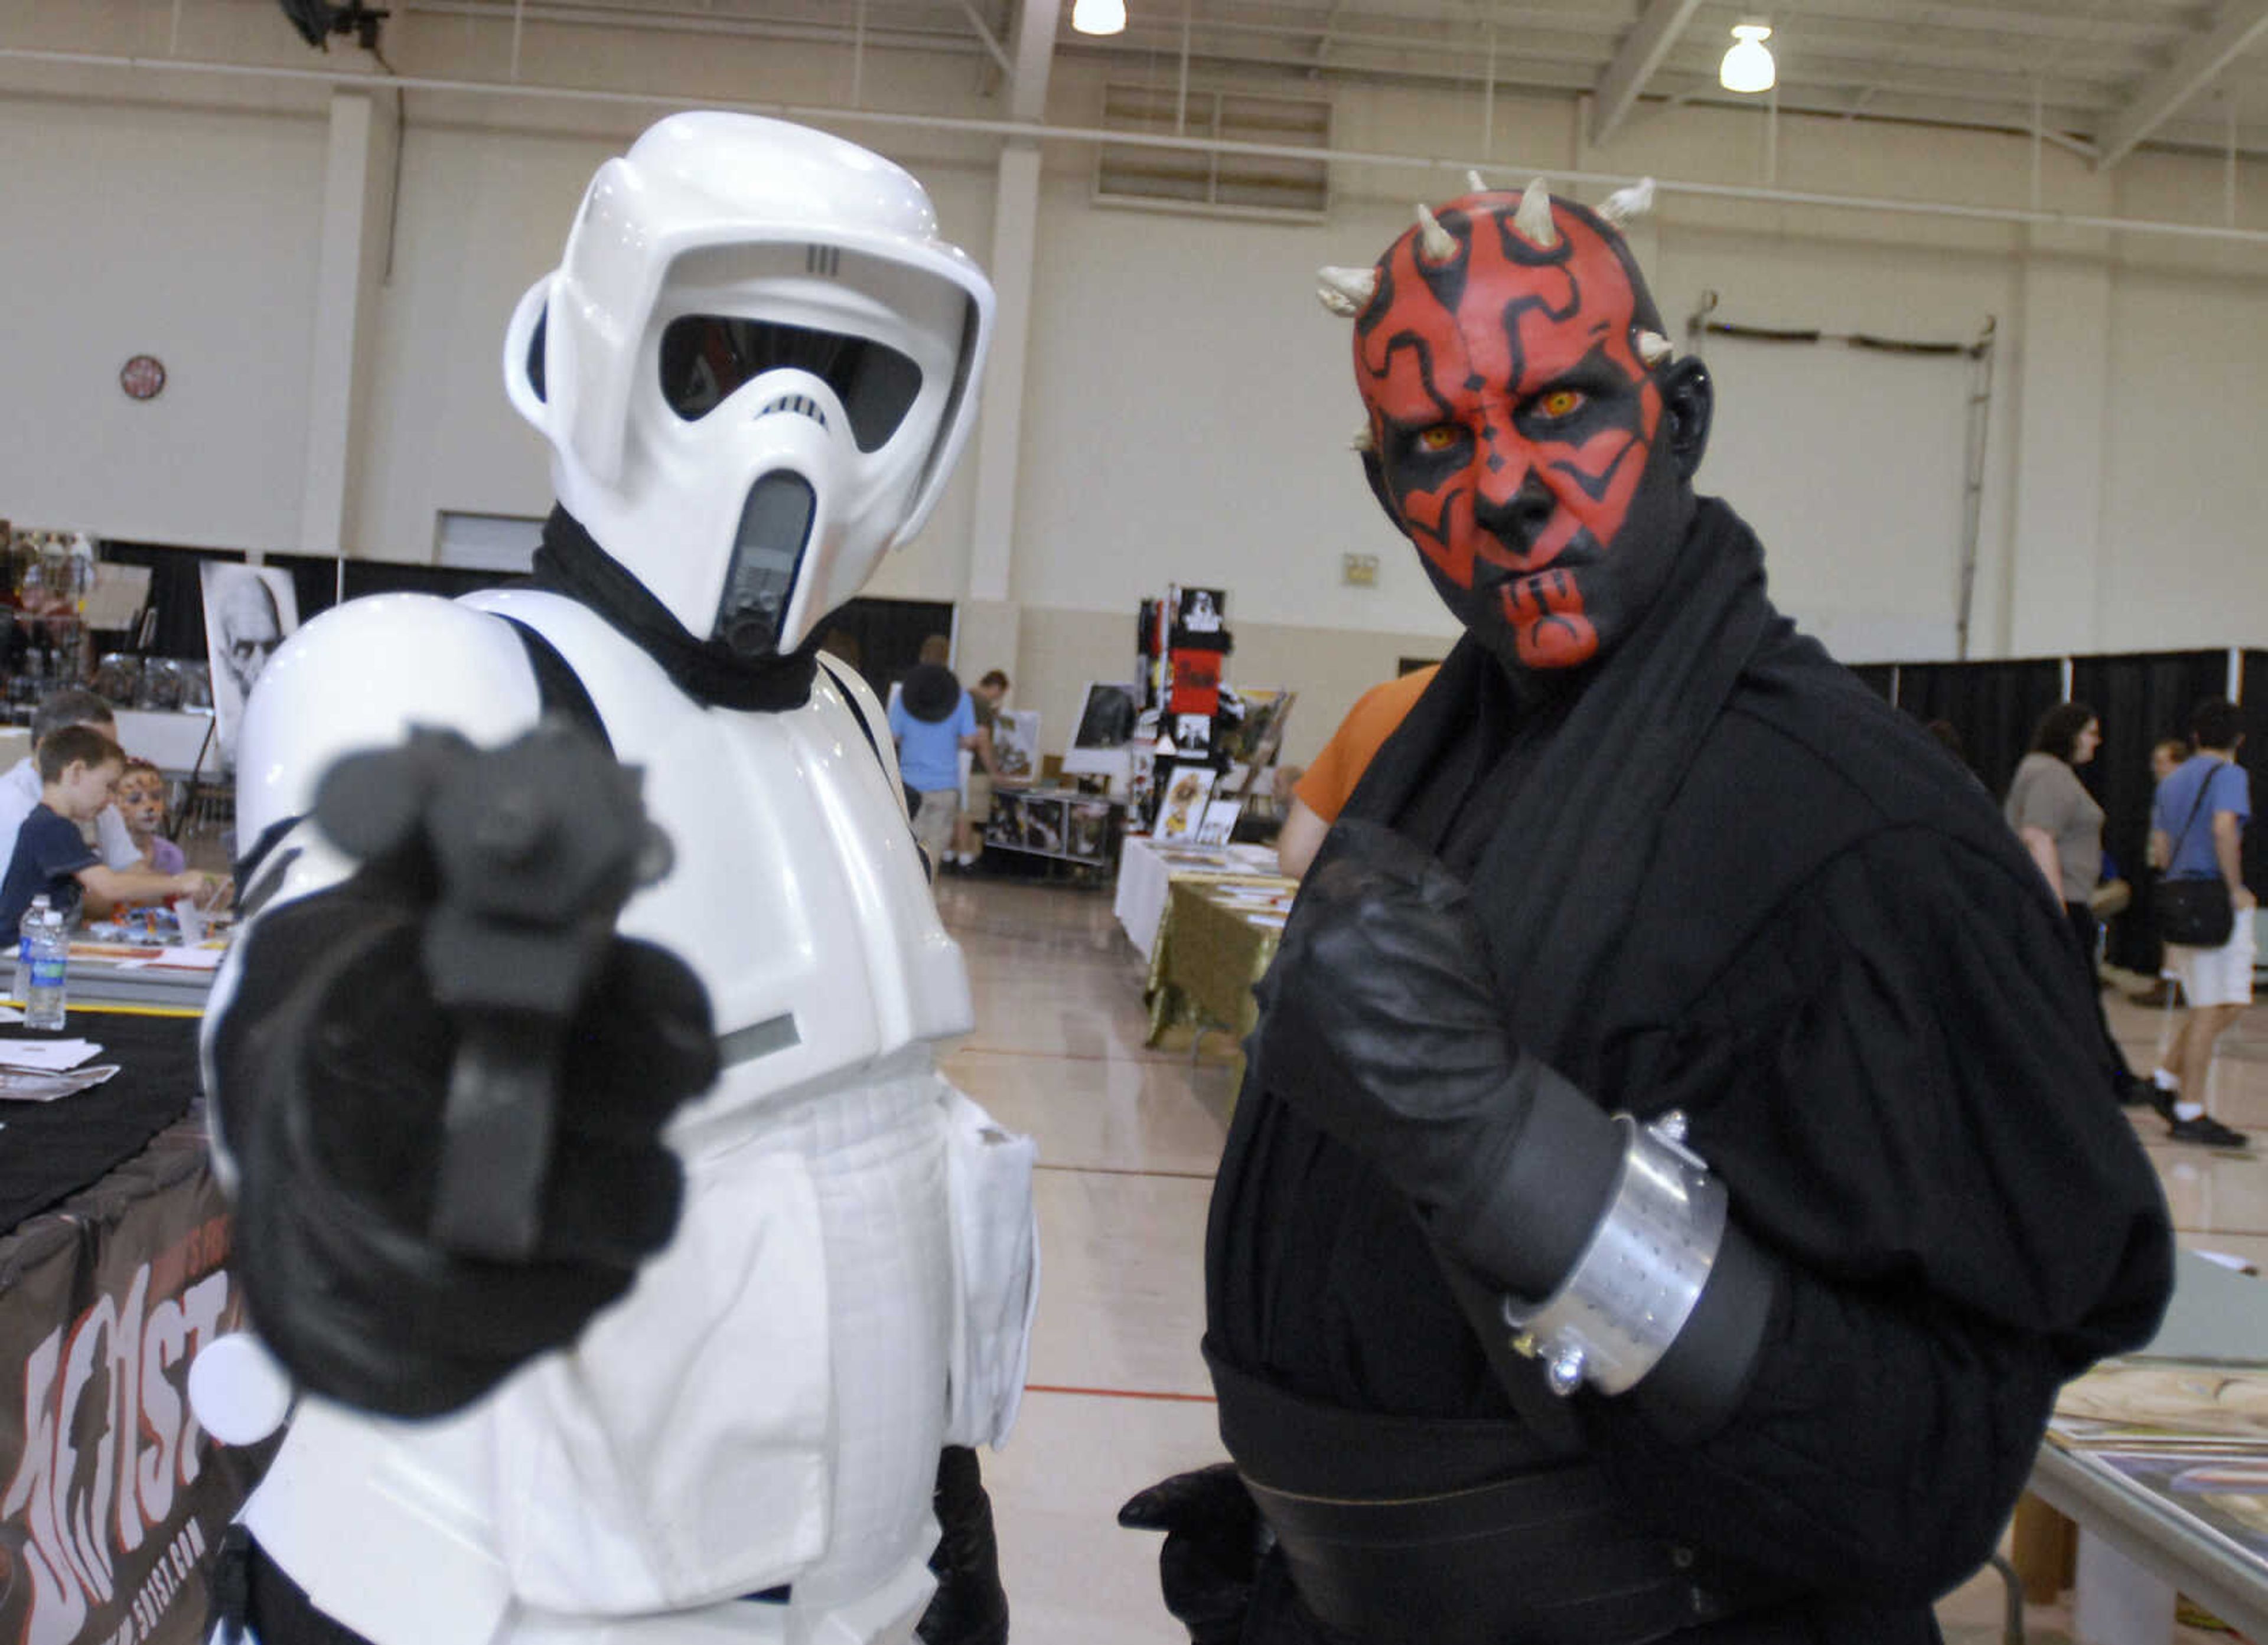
pixel 78 766
pixel 931 722
pixel 2197 832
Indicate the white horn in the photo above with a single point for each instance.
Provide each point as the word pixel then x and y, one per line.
pixel 1654 348
pixel 1533 220
pixel 1435 243
pixel 1363 440
pixel 1346 292
pixel 1479 185
pixel 1625 203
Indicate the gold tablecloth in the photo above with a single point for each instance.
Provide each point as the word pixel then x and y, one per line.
pixel 1209 952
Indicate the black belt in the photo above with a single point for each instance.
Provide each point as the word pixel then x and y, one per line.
pixel 1548 1554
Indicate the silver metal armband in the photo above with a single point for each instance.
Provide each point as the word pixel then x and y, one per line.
pixel 1634 1287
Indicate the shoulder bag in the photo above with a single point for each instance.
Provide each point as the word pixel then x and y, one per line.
pixel 2194 913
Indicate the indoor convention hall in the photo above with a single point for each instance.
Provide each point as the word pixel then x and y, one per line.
pixel 1111 822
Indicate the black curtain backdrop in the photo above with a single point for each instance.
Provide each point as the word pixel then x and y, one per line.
pixel 174 593
pixel 1881 678
pixel 1994 706
pixel 882 640
pixel 178 597
pixel 2252 712
pixel 314 581
pixel 2140 699
pixel 384 577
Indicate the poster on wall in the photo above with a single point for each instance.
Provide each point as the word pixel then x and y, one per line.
pixel 249 610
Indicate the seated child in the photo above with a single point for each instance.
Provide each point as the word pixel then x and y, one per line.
pixel 140 797
pixel 78 766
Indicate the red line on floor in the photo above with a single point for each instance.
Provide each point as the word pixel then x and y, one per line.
pixel 1121 1393
pixel 1076 1056
pixel 1127 1171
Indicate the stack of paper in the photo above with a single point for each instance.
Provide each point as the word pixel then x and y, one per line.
pixel 47 1056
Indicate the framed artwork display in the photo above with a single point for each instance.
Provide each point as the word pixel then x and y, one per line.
pixel 1016 743
pixel 1182 813
pixel 249 610
pixel 1107 715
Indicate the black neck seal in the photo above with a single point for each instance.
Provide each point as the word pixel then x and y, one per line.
pixel 571 562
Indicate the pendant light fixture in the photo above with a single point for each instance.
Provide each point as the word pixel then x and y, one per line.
pixel 1098 17
pixel 1749 66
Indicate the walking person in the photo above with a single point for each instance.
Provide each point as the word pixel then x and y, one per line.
pixel 2061 825
pixel 2197 833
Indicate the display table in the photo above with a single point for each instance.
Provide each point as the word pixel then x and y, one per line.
pixel 1217 940
pixel 111 1496
pixel 2178 1503
pixel 1145 868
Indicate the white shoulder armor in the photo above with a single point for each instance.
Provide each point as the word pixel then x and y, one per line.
pixel 360 676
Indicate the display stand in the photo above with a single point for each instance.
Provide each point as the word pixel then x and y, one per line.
pixel 1063 826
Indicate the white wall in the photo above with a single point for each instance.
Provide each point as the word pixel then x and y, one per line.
pixel 1193 408
pixel 2185 497
pixel 184 233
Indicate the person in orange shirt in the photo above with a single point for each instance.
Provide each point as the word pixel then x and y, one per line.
pixel 1325 787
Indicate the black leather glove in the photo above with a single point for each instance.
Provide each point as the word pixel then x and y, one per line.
pixel 1380 1023
pixel 332 1069
pixel 1214 1542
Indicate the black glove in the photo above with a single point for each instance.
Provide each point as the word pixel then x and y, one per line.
pixel 332 1069
pixel 1214 1542
pixel 1380 1023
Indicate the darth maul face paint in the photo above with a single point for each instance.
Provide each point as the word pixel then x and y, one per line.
pixel 1515 425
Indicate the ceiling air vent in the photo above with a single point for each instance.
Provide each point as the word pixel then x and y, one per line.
pixel 1284 188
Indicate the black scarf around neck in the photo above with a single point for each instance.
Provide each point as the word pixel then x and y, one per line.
pixel 1571 797
pixel 570 562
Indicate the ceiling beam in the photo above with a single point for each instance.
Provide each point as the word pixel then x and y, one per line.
pixel 2158 98
pixel 1636 58
pixel 984 34
pixel 1035 50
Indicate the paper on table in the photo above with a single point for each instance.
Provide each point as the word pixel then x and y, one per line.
pixel 173 960
pixel 23 1085
pixel 190 959
pixel 48 1055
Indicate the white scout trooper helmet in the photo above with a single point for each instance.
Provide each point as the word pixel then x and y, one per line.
pixel 755 365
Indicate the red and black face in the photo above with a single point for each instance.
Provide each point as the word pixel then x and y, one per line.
pixel 1518 437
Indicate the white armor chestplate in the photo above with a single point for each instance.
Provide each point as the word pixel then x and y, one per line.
pixel 765 1408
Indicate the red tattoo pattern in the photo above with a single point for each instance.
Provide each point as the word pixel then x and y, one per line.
pixel 1464 364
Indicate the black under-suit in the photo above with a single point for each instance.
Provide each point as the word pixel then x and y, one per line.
pixel 1836 961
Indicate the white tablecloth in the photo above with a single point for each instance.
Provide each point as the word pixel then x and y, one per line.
pixel 1144 874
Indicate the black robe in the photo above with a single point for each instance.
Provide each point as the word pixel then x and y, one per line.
pixel 1841 966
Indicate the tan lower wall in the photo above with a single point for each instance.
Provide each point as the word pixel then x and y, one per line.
pixel 1059 650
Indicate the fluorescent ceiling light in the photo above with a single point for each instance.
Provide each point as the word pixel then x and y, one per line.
pixel 1098 17
pixel 1748 66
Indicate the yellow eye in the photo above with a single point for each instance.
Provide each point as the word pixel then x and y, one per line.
pixel 1559 402
pixel 1440 438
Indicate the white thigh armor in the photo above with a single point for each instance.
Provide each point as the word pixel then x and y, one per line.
pixel 851 1281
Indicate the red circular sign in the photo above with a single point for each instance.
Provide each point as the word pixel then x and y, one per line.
pixel 142 376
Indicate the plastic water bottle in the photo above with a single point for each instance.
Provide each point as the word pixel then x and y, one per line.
pixel 45 960
pixel 19 989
